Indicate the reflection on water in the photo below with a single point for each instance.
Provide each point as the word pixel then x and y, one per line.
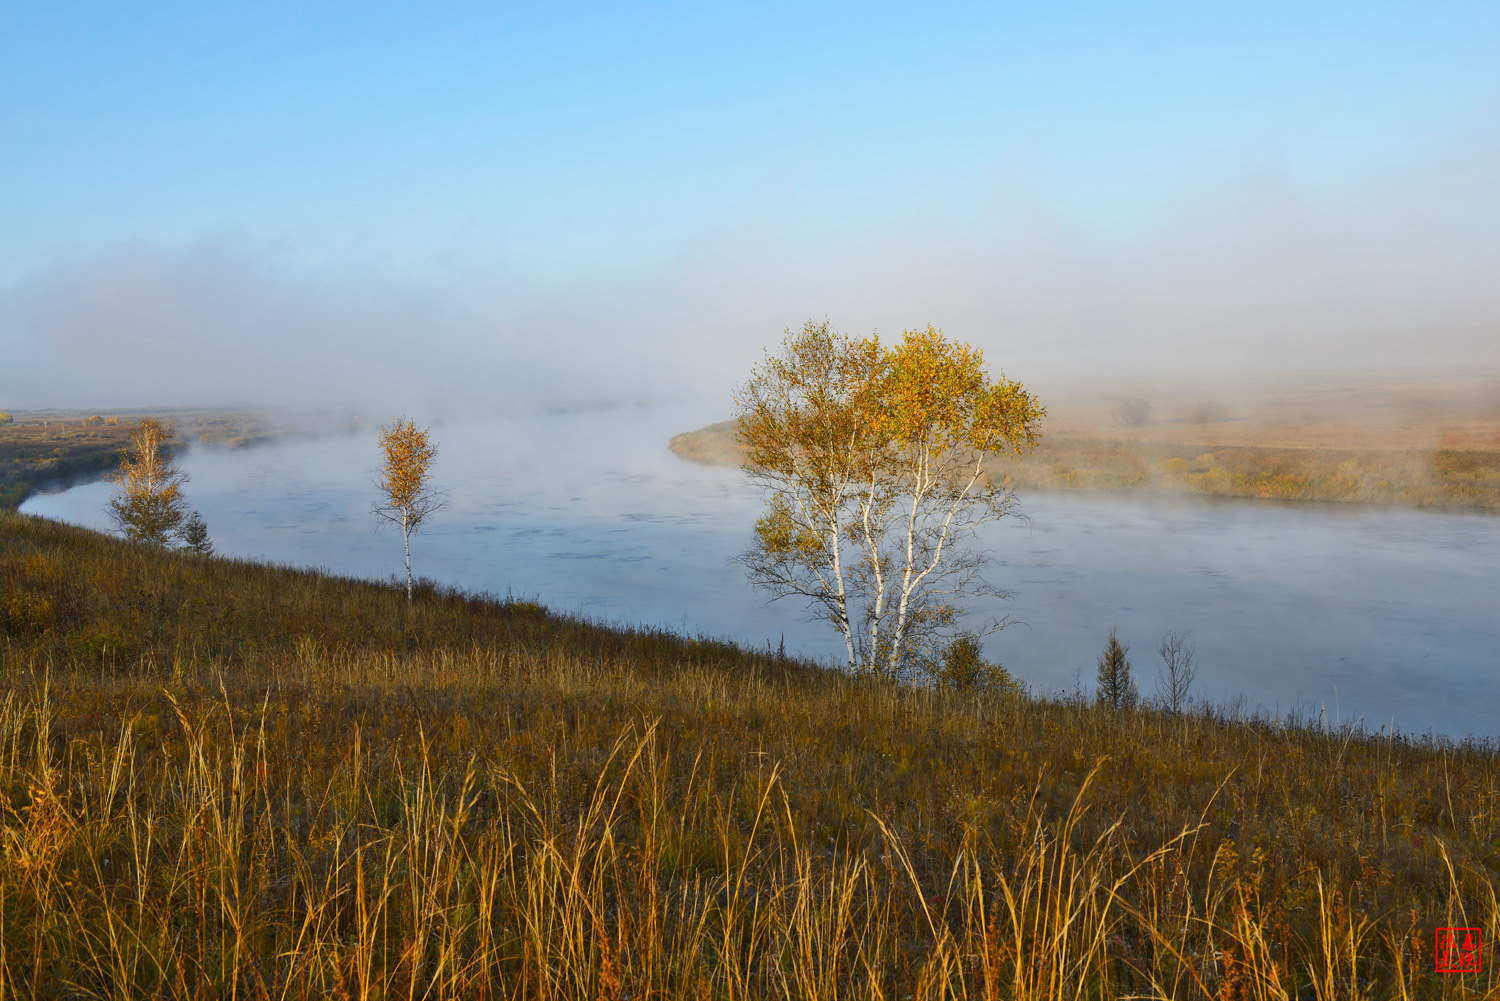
pixel 1375 614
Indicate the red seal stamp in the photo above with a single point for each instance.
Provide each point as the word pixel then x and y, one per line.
pixel 1459 950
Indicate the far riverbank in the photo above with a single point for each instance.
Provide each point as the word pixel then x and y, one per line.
pixel 1429 443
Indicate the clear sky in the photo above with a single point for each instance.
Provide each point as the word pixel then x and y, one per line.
pixel 530 184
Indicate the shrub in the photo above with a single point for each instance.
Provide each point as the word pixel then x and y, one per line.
pixel 1209 412
pixel 1178 670
pixel 193 535
pixel 962 667
pixel 26 611
pixel 1134 412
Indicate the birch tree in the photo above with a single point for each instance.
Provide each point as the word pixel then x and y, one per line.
pixel 407 495
pixel 148 505
pixel 804 420
pixel 874 467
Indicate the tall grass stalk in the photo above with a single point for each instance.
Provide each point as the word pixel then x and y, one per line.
pixel 217 871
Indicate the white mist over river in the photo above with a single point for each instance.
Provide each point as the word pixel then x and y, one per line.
pixel 1380 615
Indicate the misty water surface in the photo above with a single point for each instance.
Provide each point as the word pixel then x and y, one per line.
pixel 1382 615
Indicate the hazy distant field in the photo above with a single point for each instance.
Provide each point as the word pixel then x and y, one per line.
pixel 1431 442
pixel 54 448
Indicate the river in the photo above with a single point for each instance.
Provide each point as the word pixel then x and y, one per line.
pixel 1386 617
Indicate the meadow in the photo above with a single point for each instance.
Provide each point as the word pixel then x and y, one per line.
pixel 223 779
pixel 1428 443
pixel 35 454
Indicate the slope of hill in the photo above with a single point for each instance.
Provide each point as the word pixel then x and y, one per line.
pixel 227 779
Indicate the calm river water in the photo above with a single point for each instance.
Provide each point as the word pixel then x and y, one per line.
pixel 1385 616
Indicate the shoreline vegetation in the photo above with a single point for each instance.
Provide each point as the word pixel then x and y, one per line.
pixel 1426 443
pixel 220 778
pixel 43 450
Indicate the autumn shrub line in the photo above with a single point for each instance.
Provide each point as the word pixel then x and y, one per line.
pixel 288 784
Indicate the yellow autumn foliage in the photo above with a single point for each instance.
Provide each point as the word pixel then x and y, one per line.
pixel 148 505
pixel 873 462
pixel 408 454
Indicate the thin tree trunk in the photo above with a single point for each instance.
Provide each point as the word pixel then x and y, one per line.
pixel 842 599
pixel 919 488
pixel 908 584
pixel 872 547
pixel 406 538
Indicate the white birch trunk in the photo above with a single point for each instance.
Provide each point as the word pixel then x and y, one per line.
pixel 919 487
pixel 406 540
pixel 841 597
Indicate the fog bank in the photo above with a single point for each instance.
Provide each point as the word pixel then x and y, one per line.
pixel 1255 272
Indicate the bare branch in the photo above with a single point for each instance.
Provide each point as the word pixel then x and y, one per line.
pixel 1178 669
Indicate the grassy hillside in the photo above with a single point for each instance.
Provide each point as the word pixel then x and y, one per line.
pixel 221 779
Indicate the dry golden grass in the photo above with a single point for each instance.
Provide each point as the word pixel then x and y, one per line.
pixel 219 780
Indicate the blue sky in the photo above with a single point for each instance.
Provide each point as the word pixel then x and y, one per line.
pixel 564 171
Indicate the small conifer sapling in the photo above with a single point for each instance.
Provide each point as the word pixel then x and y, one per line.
pixel 1116 688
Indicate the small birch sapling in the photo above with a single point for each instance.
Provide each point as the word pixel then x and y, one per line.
pixel 407 495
